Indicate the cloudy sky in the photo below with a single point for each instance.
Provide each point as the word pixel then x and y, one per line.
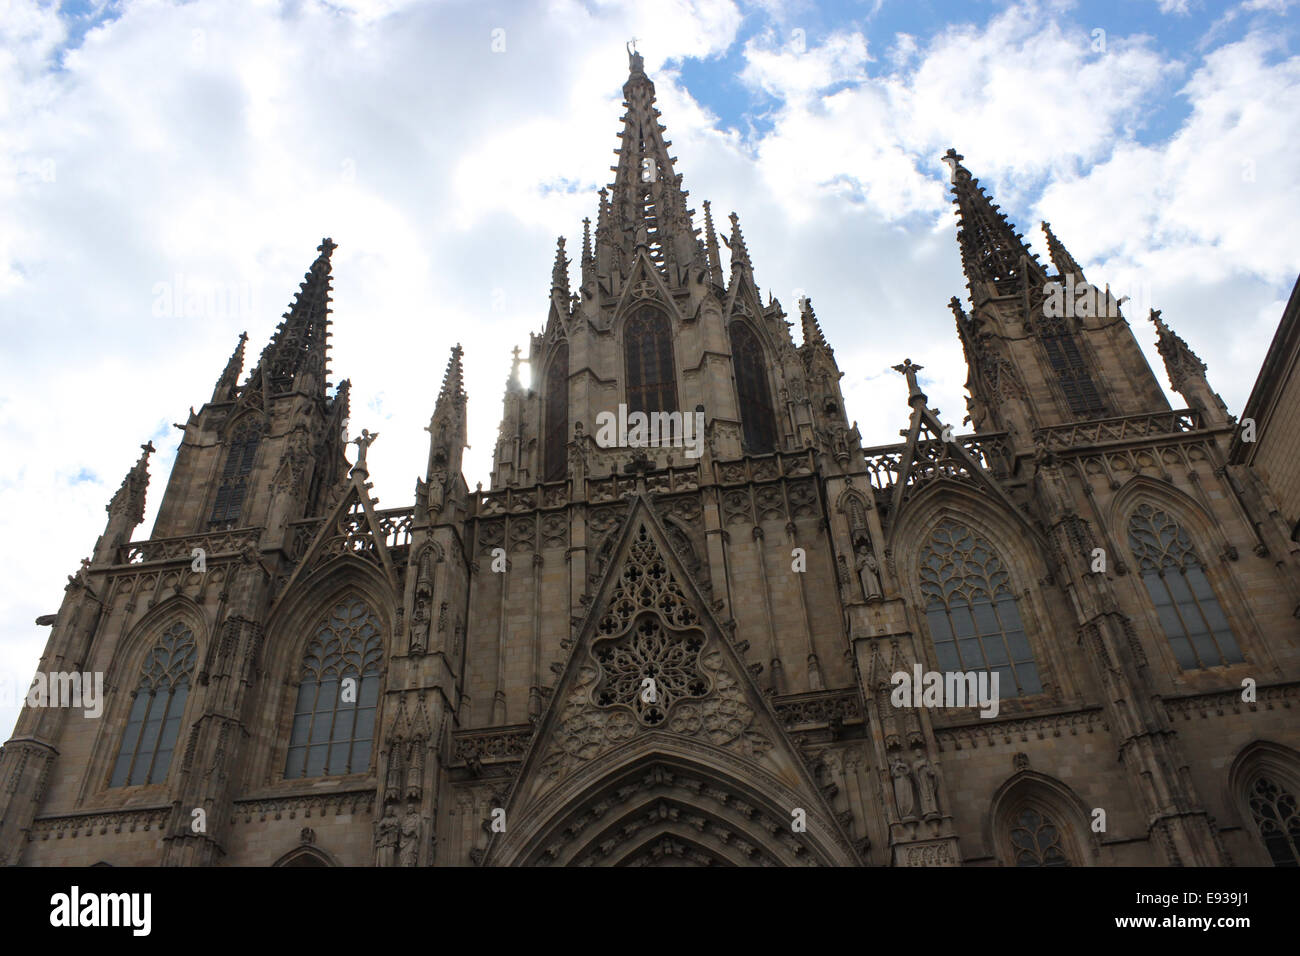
pixel 168 169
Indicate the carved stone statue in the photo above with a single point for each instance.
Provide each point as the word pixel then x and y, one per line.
pixel 386 838
pixel 363 442
pixel 420 626
pixel 904 791
pixel 928 784
pixel 411 826
pixel 868 571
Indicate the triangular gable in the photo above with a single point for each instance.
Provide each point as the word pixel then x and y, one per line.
pixel 952 455
pixel 352 529
pixel 648 618
pixel 645 282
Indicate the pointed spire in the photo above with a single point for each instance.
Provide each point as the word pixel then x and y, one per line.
pixel 229 380
pixel 588 260
pixel 711 246
pixel 560 273
pixel 453 380
pixel 300 342
pixel 128 501
pixel 812 331
pixel 1180 361
pixel 1061 258
pixel 739 254
pixel 991 249
pixel 647 205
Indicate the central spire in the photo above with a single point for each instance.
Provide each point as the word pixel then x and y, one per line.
pixel 646 205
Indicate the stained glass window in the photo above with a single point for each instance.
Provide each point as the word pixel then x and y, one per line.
pixel 972 612
pixel 1036 840
pixel 157 705
pixel 751 387
pixel 555 445
pixel 333 729
pixel 651 374
pixel 1189 612
pixel 1276 816
pixel 1071 369
pixel 241 451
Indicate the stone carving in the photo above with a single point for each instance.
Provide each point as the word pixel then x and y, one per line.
pixel 928 785
pixel 386 838
pixel 410 837
pixel 363 442
pixel 868 571
pixel 904 790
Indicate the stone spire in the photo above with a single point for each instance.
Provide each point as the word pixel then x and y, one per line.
pixel 588 260
pixel 560 275
pixel 739 254
pixel 229 380
pixel 1061 258
pixel 447 428
pixel 646 203
pixel 991 249
pixel 1187 372
pixel 297 354
pixel 125 510
pixel 812 330
pixel 714 255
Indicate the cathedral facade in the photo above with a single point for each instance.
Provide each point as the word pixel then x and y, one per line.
pixel 741 652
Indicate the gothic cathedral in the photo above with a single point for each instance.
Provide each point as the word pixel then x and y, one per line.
pixel 657 654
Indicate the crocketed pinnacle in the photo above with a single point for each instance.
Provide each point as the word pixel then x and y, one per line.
pixel 1180 361
pixel 739 254
pixel 300 342
pixel 1064 262
pixel 991 249
pixel 560 272
pixel 129 498
pixel 229 379
pixel 812 330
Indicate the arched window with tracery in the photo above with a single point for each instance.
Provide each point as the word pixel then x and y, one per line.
pixel 972 611
pixel 1072 372
pixel 154 722
pixel 241 450
pixel 1174 576
pixel 756 415
pixel 1274 809
pixel 651 374
pixel 333 721
pixel 556 415
pixel 1036 840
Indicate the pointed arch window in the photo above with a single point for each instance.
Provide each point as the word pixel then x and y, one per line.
pixel 1277 817
pixel 1036 840
pixel 555 444
pixel 333 729
pixel 1072 372
pixel 157 705
pixel 241 451
pixel 651 373
pixel 756 415
pixel 1189 612
pixel 972 612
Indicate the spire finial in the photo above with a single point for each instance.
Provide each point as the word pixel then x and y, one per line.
pixel 739 254
pixel 991 249
pixel 635 61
